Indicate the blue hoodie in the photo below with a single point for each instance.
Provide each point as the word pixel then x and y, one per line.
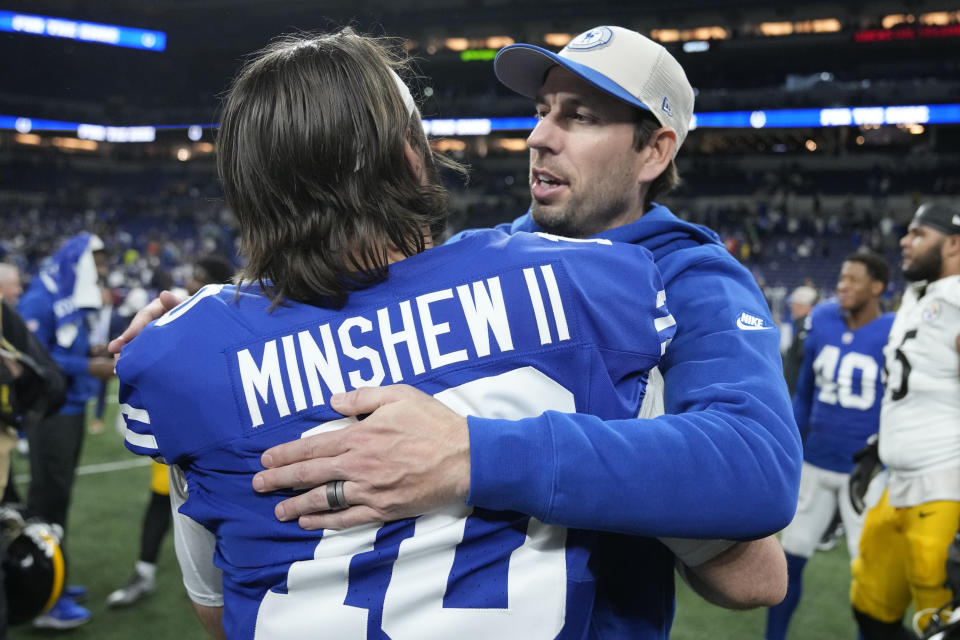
pixel 722 462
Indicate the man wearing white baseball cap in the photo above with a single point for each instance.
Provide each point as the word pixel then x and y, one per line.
pixel 716 453
pixel 616 81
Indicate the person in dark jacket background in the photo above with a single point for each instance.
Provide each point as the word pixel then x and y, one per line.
pixel 32 386
pixel 57 308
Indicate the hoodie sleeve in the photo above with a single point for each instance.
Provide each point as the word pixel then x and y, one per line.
pixel 723 463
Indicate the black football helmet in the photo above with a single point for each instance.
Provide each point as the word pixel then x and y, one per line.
pixel 33 567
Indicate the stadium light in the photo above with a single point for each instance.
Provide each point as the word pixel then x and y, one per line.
pixel 478 55
pixel 558 39
pixel 696 46
pixel 93 32
pixel 457 44
pixel 863 117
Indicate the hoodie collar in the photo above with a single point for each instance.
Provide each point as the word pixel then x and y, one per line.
pixel 657 229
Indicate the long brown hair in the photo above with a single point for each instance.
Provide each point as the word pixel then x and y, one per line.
pixel 310 153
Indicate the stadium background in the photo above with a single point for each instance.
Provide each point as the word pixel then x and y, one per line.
pixel 820 126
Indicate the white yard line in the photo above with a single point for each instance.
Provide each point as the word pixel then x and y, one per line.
pixel 102 467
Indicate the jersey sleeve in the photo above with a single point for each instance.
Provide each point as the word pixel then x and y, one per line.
pixel 724 462
pixel 138 436
pixel 141 372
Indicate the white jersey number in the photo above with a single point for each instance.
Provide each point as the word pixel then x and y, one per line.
pixel 834 377
pixel 413 609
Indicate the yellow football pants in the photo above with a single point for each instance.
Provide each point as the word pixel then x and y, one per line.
pixel 160 478
pixel 903 555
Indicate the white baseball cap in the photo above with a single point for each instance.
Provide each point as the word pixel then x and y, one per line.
pixel 804 295
pixel 621 62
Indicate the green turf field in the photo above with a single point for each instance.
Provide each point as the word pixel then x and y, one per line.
pixel 105 521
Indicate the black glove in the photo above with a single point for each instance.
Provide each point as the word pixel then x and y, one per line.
pixel 868 465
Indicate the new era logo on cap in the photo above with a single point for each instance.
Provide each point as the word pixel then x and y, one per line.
pixel 956 220
pixel 665 107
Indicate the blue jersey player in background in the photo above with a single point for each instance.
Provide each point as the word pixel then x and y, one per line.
pixel 495 325
pixel 837 407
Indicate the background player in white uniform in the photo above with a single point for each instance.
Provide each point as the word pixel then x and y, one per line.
pixel 903 547
pixel 837 406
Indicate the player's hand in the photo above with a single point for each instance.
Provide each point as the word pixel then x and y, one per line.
pixel 157 307
pixel 410 455
pixel 10 368
pixel 99 351
pixel 867 466
pixel 100 368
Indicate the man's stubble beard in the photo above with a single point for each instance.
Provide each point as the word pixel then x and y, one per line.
pixel 566 222
pixel 927 267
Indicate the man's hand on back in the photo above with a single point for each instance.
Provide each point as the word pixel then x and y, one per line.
pixel 409 455
pixel 157 307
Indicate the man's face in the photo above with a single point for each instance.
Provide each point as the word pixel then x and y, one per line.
pixel 855 287
pixel 799 310
pixel 10 285
pixel 102 261
pixel 922 252
pixel 583 165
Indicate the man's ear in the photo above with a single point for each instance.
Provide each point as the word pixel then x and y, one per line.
pixel 951 247
pixel 877 287
pixel 657 154
pixel 414 162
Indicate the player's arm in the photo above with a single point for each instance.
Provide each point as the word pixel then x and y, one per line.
pixel 723 462
pixel 803 396
pixel 744 576
pixel 726 464
pixel 194 547
pixel 35 310
pixel 211 619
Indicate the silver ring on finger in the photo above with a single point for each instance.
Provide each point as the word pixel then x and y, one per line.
pixel 336 498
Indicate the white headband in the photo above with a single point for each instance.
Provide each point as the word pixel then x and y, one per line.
pixel 404 93
pixel 407 102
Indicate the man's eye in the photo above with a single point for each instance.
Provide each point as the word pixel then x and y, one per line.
pixel 541 114
pixel 582 117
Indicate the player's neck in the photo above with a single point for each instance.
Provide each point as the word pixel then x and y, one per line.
pixel 864 315
pixel 395 255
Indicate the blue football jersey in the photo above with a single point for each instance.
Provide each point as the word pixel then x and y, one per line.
pixel 837 403
pixel 495 326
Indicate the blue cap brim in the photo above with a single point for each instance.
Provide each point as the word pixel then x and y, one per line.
pixel 523 68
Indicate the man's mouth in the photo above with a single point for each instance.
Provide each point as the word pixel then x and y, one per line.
pixel 544 184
